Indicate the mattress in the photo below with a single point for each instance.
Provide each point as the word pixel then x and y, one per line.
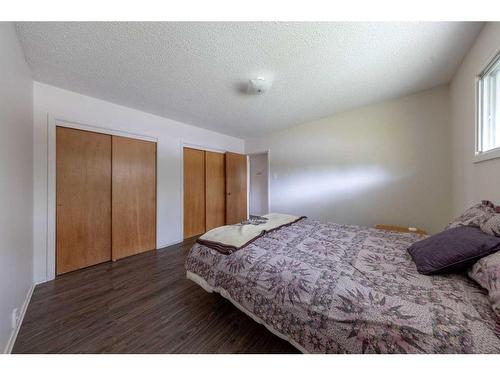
pixel 331 288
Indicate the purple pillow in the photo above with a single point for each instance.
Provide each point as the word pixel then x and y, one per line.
pixel 452 250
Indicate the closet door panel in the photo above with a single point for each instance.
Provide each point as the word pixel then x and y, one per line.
pixel 215 196
pixel 236 188
pixel 133 197
pixel 194 192
pixel 83 199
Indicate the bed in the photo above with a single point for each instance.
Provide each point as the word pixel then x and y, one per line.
pixel 331 288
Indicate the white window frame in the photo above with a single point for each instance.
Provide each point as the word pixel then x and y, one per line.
pixel 493 153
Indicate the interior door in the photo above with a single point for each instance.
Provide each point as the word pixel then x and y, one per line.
pixel 194 192
pixel 236 188
pixel 134 197
pixel 215 190
pixel 83 199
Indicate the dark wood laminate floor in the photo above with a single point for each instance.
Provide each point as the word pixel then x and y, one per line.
pixel 141 304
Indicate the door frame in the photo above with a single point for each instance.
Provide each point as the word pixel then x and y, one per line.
pixel 52 122
pixel 268 152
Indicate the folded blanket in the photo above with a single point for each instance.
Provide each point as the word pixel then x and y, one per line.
pixel 229 238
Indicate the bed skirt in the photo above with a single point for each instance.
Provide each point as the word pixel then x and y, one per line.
pixel 206 286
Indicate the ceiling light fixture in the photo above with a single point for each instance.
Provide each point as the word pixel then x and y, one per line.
pixel 258 86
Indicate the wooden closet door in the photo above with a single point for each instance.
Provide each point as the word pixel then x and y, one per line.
pixel 83 198
pixel 194 192
pixel 134 197
pixel 236 188
pixel 215 190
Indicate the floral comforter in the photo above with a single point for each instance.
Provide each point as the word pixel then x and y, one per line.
pixel 331 288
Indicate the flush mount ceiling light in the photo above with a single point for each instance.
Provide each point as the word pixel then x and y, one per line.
pixel 258 86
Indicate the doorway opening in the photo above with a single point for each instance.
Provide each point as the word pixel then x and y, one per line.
pixel 259 184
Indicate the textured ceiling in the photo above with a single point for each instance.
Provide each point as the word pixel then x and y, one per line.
pixel 195 72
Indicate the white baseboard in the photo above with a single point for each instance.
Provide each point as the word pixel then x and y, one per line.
pixel 24 307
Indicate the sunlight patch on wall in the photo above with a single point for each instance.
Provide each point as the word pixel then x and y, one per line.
pixel 310 187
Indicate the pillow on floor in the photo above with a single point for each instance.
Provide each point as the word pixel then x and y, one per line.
pixel 452 250
pixel 474 216
pixel 486 272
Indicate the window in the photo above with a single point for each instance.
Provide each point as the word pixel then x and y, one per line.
pixel 488 105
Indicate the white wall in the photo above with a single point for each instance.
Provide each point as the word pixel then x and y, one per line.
pixel 73 107
pixel 259 193
pixel 16 179
pixel 472 181
pixel 385 163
